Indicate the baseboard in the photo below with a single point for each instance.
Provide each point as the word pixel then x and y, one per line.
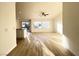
pixel 10 50
pixel 72 52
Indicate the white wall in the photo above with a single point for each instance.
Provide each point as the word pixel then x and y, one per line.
pixel 71 25
pixel 58 24
pixel 32 10
pixel 7 27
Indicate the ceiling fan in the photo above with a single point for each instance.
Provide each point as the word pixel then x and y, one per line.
pixel 44 14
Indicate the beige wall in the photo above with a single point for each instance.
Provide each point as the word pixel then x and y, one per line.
pixel 18 24
pixel 33 11
pixel 7 27
pixel 71 25
pixel 58 24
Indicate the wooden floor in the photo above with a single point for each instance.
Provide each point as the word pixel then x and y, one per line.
pixel 40 44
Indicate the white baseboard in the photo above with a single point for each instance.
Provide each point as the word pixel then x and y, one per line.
pixel 73 52
pixel 10 50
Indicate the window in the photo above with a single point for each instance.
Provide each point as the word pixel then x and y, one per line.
pixel 41 25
